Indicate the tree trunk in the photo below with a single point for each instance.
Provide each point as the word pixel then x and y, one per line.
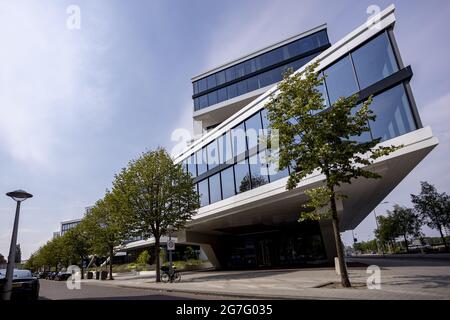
pixel 111 255
pixel 157 262
pixel 82 268
pixel 406 243
pixel 345 281
pixel 443 238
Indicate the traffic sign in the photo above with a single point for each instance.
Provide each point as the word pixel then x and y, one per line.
pixel 170 245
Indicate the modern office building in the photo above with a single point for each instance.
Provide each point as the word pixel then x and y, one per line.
pixel 247 217
pixel 67 225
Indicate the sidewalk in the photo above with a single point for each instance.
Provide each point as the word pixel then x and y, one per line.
pixel 417 282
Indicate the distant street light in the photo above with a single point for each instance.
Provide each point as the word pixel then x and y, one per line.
pixel 18 196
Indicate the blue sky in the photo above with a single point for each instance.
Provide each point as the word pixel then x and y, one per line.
pixel 76 105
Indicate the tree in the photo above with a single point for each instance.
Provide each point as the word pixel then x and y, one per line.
pixel 406 223
pixel 106 228
pixel 143 257
pixel 76 242
pixel 387 231
pixel 155 193
pixel 433 207
pixel 18 257
pixel 313 137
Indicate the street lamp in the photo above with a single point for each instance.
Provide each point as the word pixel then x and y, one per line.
pixel 378 227
pixel 170 229
pixel 18 196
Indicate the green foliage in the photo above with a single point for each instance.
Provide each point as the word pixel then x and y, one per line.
pixel 433 207
pixel 143 257
pixel 366 246
pixel 400 222
pixel 190 253
pixel 314 138
pixel 154 193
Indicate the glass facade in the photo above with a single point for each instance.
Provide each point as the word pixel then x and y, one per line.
pixel 242 167
pixel 256 72
pixel 374 61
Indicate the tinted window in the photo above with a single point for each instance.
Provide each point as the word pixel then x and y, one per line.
pixel 229 74
pixel 253 128
pixel 213 154
pixel 195 86
pixel 232 91
pixel 220 77
pixel 192 168
pixel 225 147
pixel 340 79
pixel 374 61
pixel 238 139
pixel 364 137
pixel 203 192
pixel 214 188
pixel 196 104
pixel 258 171
pixel 212 98
pixel 265 79
pixel 228 183
pixel 201 161
pixel 242 175
pixel 241 87
pixel 239 70
pixel 265 121
pixel 252 83
pixel 393 112
pixel 201 85
pixel 222 95
pixel 211 81
pixel 274 170
pixel 203 101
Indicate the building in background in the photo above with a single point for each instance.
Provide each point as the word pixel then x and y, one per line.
pixel 67 225
pixel 247 217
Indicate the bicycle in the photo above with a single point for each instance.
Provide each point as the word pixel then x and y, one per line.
pixel 167 277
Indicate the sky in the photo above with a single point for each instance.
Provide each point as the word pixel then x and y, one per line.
pixel 76 104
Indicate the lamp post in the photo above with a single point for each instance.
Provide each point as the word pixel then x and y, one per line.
pixel 18 196
pixel 170 229
pixel 376 222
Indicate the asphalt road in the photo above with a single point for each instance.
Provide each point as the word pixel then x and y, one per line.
pixel 57 290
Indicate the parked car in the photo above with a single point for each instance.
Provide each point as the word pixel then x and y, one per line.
pixel 43 274
pixel 61 276
pixel 51 275
pixel 24 285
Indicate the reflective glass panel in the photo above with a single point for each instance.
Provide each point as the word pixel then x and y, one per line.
pixel 258 171
pixel 226 152
pixel 374 61
pixel 203 192
pixel 228 183
pixel 242 175
pixel 253 128
pixel 238 139
pixel 192 167
pixel 214 188
pixel 212 150
pixel 201 158
pixel 340 79
pixel 394 116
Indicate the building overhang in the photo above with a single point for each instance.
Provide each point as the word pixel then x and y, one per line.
pixel 272 204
